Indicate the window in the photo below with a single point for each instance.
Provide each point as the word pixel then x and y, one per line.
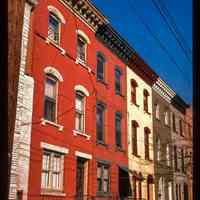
pixel 158 150
pixel 118 81
pixel 146 143
pixel 133 91
pixel 181 127
pixel 166 118
pixel 157 110
pixel 118 129
pixel 100 122
pixel 103 178
pixel 175 159
pixel 53 28
pixel 168 155
pixel 145 96
pixel 79 109
pixel 174 122
pixel 50 98
pixel 182 161
pixel 81 48
pixel 52 170
pixel 100 67
pixel 137 188
pixel 134 138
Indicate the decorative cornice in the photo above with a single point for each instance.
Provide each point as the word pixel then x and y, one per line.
pixel 88 12
pixel 164 90
pixel 112 40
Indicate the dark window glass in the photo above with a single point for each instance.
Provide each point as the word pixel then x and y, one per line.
pixel 79 111
pixel 134 137
pixel 117 81
pixel 146 143
pixel 146 94
pixel 102 178
pixel 53 29
pixel 175 158
pixel 174 122
pixel 50 99
pixel 133 91
pixel 100 122
pixel 182 161
pixel 100 67
pixel 181 127
pixel 118 129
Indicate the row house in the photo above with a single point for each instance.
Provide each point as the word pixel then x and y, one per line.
pixel 180 147
pixel 93 119
pixel 79 121
pixel 162 97
pixel 140 129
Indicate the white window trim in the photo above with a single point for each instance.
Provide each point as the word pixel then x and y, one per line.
pixel 82 89
pixel 45 122
pixel 76 132
pixel 53 71
pixel 83 155
pixel 82 34
pixel 52 147
pixel 57 13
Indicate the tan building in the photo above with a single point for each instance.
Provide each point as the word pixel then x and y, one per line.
pixel 140 136
pixel 180 145
pixel 162 96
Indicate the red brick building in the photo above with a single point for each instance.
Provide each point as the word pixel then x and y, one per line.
pixel 79 122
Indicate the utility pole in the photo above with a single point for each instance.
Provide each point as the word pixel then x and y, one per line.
pixel 15 24
pixel 196 100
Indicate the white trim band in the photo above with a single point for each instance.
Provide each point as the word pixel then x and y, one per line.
pixel 83 155
pixel 54 148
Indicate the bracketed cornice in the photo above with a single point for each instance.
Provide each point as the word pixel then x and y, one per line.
pixel 88 12
pixel 112 40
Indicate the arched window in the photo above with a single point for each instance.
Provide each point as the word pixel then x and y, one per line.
pixel 134 138
pixel 145 99
pixel 157 111
pixel 146 143
pixel 166 117
pixel 80 101
pixel 54 28
pixel 79 111
pixel 133 91
pixel 168 155
pixel 158 149
pixel 50 100
pixel 81 48
pixel 100 67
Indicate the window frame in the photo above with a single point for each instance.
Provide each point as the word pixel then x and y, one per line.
pixel 146 143
pixel 134 137
pixel 84 41
pixel 134 86
pixel 100 57
pixel 118 133
pixel 146 100
pixel 51 171
pixel 80 112
pixel 103 109
pixel 157 111
pixel 103 166
pixel 118 91
pixel 56 18
pixel 54 79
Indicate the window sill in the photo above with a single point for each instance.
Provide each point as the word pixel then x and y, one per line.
pixel 53 193
pixel 120 149
pixel 136 155
pixel 101 143
pixel 104 194
pixel 135 104
pixel 102 82
pixel 44 122
pixel 75 133
pixel 147 112
pixel 49 41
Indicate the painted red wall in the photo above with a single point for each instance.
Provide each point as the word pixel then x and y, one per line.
pixel 44 55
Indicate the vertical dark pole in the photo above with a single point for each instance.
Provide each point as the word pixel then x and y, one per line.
pixel 196 100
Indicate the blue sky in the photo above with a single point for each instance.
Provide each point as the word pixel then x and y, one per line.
pixel 124 18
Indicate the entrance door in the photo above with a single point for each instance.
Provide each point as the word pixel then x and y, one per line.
pixel 81 178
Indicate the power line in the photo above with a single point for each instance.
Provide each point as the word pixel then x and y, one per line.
pixel 160 43
pixel 172 30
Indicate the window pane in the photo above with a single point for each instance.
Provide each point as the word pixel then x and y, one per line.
pixel 50 107
pixel 100 121
pixel 53 32
pixel 81 47
pixel 118 129
pixel 117 81
pixel 100 68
